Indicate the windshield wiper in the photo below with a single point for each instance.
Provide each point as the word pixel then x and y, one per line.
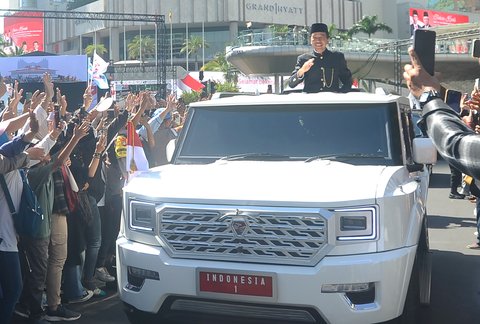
pixel 340 156
pixel 256 156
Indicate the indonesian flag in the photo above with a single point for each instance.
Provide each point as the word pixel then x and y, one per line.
pixel 186 82
pixel 136 159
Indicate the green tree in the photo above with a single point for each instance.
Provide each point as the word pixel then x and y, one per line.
pixel 146 43
pixel 369 25
pixel 279 29
pixel 194 44
pixel 100 48
pixel 334 32
pixel 190 96
pixel 227 87
pixel 220 64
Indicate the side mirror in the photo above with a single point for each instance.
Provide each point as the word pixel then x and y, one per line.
pixel 424 152
pixel 170 149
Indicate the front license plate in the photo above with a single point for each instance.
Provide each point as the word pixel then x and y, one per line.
pixel 236 283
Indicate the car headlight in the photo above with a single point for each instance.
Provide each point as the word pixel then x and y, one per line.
pixel 142 216
pixel 353 224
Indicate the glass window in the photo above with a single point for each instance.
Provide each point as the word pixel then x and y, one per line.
pixel 299 132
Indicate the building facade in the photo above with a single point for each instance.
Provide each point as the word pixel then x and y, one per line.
pixel 218 23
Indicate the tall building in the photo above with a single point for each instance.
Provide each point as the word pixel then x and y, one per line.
pixel 219 21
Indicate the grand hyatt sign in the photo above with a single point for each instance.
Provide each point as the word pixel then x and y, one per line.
pixel 274 8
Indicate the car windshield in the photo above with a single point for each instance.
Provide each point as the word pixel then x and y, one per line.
pixel 300 132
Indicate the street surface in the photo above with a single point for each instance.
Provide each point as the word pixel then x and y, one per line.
pixel 456 269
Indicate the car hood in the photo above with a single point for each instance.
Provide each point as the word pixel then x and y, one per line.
pixel 254 182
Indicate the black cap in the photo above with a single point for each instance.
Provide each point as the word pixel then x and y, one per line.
pixel 425 13
pixel 319 27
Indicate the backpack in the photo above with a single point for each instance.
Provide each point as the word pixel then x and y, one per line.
pixel 29 217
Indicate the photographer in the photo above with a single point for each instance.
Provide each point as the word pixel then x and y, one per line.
pixel 458 144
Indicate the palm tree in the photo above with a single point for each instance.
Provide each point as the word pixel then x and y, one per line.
pixel 194 44
pixel 146 43
pixel 220 64
pixel 334 32
pixel 369 25
pixel 100 48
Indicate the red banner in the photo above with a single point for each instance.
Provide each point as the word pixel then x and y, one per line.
pixel 423 18
pixel 24 30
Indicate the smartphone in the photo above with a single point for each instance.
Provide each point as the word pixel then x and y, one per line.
pixel 56 115
pixel 424 46
pixel 453 98
pixel 476 87
pixel 476 48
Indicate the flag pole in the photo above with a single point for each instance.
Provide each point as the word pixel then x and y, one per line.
pixel 203 43
pixel 141 44
pixel 186 43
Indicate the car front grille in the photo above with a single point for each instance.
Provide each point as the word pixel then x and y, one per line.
pixel 295 236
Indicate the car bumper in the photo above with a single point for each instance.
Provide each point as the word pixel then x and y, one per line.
pixel 294 286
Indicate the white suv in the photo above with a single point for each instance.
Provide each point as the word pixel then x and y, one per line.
pixel 305 208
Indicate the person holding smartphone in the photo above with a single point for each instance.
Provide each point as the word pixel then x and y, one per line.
pixel 321 70
pixel 457 143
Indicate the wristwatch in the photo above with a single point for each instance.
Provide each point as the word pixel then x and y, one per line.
pixel 427 96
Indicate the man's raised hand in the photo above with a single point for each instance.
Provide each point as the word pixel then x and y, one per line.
pixel 417 78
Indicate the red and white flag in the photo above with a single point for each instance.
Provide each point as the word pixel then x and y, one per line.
pixel 186 82
pixel 136 159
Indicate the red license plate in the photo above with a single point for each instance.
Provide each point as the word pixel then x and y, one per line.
pixel 236 284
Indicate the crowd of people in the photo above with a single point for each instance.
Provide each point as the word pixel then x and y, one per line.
pixel 75 163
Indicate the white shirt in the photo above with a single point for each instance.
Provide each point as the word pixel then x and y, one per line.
pixel 7 229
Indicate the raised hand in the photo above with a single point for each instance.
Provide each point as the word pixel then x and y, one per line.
pixel 130 102
pixel 3 87
pixel 17 94
pixel 34 126
pixel 474 102
pixel 35 153
pixel 48 84
pixel 62 102
pixel 306 67
pixel 81 130
pixel 171 102
pixel 37 99
pixel 417 78
pixel 87 97
pixel 101 143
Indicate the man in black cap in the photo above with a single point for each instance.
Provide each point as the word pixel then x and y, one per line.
pixel 321 70
pixel 426 20
pixel 415 22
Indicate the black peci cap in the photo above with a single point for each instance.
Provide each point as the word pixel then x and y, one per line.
pixel 319 27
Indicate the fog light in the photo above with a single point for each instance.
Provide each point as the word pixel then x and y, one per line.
pixel 358 223
pixel 143 273
pixel 345 288
pixel 136 278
